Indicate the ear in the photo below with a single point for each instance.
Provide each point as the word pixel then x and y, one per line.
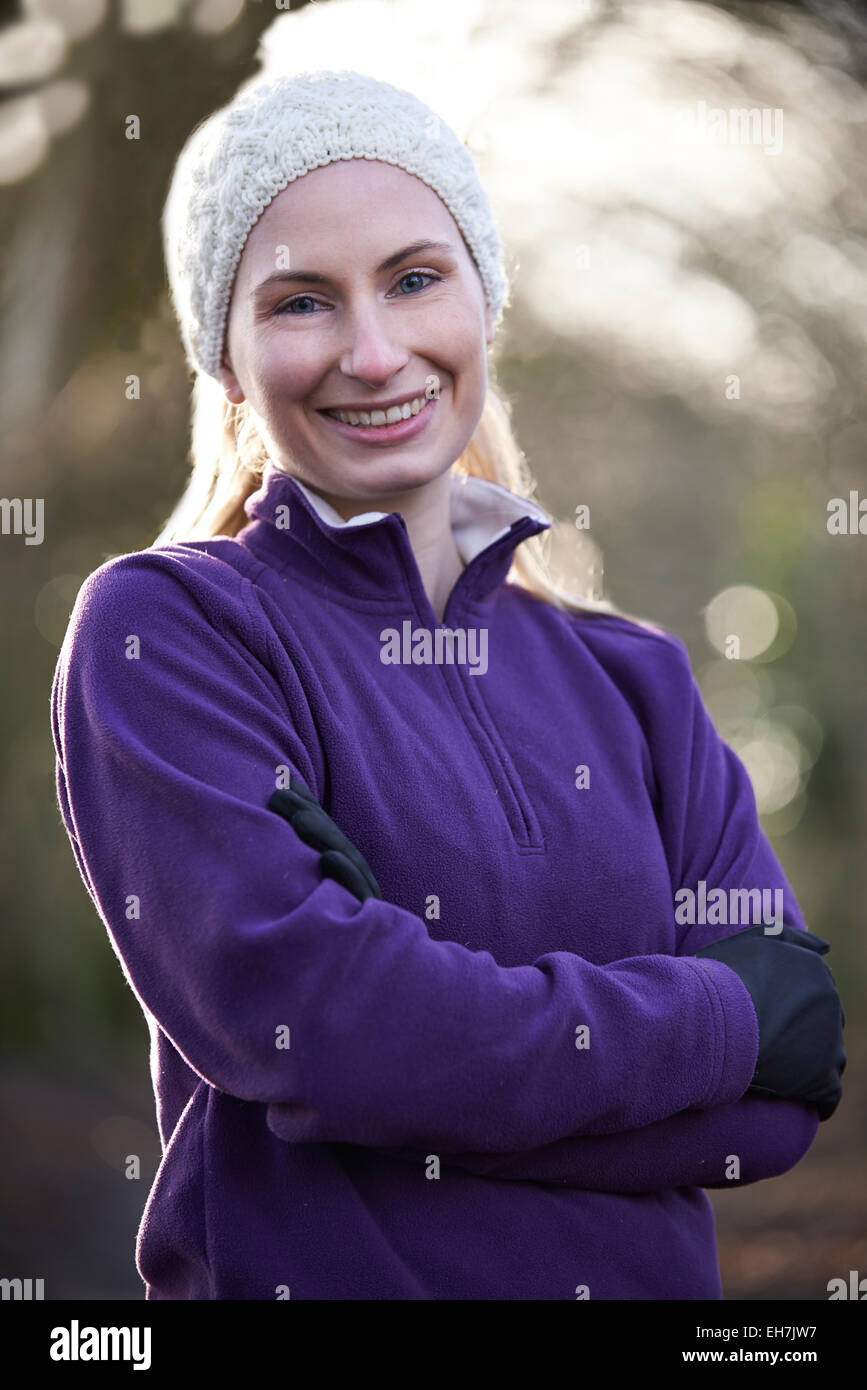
pixel 230 383
pixel 489 324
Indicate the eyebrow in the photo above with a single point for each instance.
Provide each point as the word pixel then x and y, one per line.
pixel 313 277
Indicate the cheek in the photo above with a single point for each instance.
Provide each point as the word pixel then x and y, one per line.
pixel 285 371
pixel 465 355
pixel 461 334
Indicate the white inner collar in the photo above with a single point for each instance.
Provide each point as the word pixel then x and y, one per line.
pixel 481 512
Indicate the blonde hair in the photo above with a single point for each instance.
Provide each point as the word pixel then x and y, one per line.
pixel 228 457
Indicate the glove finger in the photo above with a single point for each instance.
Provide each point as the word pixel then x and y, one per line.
pixel 796 937
pixel 827 1103
pixel 806 938
pixel 336 865
pixel 357 859
pixel 301 789
pixel 827 1091
pixel 286 803
pixel 793 935
pixel 310 823
pixel 360 865
pixel 316 828
pixel 825 1098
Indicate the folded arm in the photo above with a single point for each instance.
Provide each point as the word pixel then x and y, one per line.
pixel 346 1020
pixel 710 828
pixel 729 1146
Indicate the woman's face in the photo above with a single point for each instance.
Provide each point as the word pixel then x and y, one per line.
pixel 332 309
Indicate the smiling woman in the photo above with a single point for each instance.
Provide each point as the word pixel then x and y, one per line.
pixel 374 330
pixel 271 366
pixel 424 1022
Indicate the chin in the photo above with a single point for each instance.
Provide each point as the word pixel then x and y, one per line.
pixel 384 478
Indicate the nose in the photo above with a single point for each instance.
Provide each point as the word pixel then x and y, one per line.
pixel 372 352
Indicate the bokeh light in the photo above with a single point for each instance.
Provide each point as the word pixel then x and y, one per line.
pixel 772 756
pixel 745 614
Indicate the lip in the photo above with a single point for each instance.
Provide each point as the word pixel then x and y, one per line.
pixel 377 435
pixel 381 405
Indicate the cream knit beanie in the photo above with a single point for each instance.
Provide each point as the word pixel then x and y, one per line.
pixel 271 133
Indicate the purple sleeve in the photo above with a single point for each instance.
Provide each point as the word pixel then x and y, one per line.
pixel 712 832
pixel 170 734
pixel 692 1149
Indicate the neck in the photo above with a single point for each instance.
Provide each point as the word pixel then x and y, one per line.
pixel 427 513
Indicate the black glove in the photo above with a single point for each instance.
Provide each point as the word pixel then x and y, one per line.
pixel 339 859
pixel 800 1016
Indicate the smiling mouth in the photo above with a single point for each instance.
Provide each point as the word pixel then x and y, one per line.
pixel 379 419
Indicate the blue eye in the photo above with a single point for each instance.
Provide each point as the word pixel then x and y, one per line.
pixel 290 306
pixel 418 275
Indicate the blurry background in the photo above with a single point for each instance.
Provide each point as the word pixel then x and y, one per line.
pixel 682 189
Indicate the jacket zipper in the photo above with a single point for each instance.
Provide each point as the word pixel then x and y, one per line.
pixel 516 806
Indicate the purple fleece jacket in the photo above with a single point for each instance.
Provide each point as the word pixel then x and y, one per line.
pixel 508 1079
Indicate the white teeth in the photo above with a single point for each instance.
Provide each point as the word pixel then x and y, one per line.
pixel 377 418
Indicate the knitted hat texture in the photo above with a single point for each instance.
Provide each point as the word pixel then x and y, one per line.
pixel 273 132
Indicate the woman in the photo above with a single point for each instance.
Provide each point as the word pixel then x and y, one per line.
pixel 399 907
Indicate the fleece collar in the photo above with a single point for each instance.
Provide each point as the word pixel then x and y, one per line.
pixel 369 558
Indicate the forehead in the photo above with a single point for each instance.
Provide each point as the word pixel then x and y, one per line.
pixel 358 206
